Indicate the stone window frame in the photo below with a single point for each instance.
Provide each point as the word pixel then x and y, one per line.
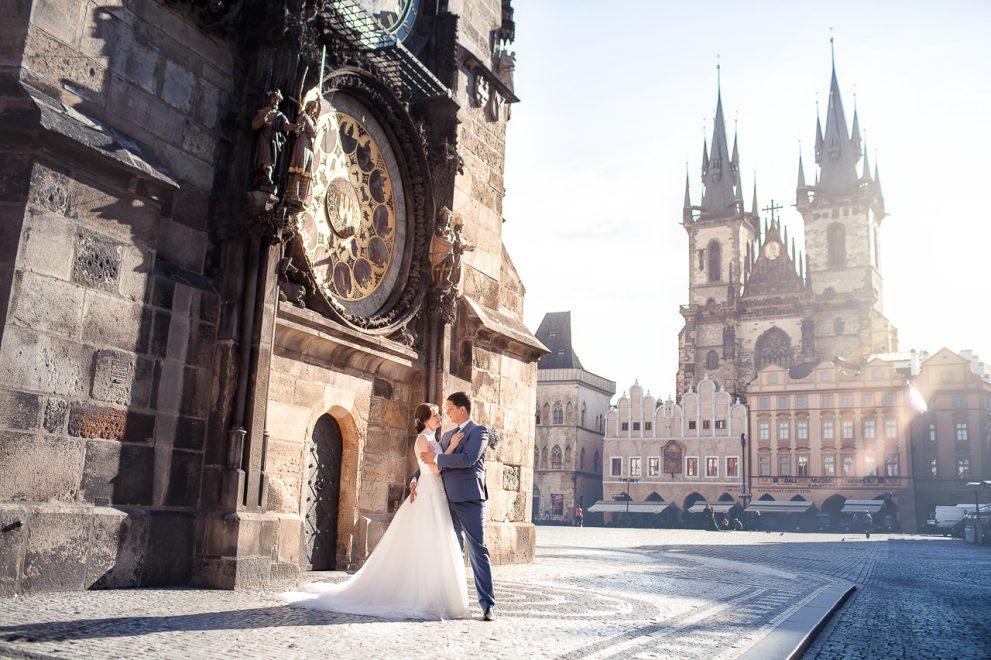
pixel 636 467
pixel 764 430
pixel 735 472
pixel 558 413
pixel 850 460
pixel 963 467
pixel 557 457
pixel 890 428
pixel 846 424
pixel 829 469
pixel 692 460
pixel 784 429
pixel 828 429
pixel 763 465
pixel 869 428
pixel 961 431
pixel 653 466
pixel 889 461
pixel 711 467
pixel 784 460
pixel 801 429
pixel 615 461
pixel 802 461
pixel 870 465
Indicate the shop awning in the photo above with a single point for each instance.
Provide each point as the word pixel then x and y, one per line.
pixel 779 507
pixel 718 507
pixel 862 506
pixel 634 507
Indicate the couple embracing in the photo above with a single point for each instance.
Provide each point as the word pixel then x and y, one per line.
pixel 417 569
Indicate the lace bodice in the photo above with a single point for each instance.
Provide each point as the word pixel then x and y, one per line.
pixel 425 470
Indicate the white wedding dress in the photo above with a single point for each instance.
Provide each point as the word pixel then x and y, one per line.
pixel 416 571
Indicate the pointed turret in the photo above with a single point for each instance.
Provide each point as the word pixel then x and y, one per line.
pixel 736 152
pixel 838 158
pixel 855 132
pixel 719 197
pixel 866 176
pixel 705 155
pixel 818 136
pixel 688 198
pixel 754 209
pixel 801 172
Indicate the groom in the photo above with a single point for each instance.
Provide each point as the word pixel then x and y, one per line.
pixel 463 473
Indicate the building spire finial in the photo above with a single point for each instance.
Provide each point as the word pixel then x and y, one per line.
pixel 832 49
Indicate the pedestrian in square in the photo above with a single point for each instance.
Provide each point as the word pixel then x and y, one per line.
pixel 868 523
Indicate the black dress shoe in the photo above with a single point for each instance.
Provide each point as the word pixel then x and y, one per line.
pixel 488 614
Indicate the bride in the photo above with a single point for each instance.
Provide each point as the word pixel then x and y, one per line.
pixel 417 569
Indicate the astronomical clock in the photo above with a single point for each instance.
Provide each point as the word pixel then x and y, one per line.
pixel 366 214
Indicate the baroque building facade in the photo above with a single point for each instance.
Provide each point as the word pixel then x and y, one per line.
pixel 662 457
pixel 754 299
pixel 572 404
pixel 241 241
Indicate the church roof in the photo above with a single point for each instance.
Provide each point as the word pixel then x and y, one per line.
pixel 774 271
pixel 720 174
pixel 555 333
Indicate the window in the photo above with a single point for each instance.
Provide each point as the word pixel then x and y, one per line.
pixel 803 466
pixel 891 465
pixel 705 424
pixel 711 466
pixel 764 430
pixel 625 426
pixel 963 467
pixel 867 399
pixel 802 429
pixel 773 347
pixel 829 465
pixel 538 415
pixel 691 466
pixel 934 468
pixel 556 458
pixel 962 432
pixel 847 429
pixel 932 433
pixel 543 458
pixel 763 403
pixel 947 376
pixel 869 430
pixel 782 403
pixel 583 414
pixel 889 398
pixel 846 400
pixel 847 465
pixel 558 414
pixel 557 504
pixel 891 429
pixel 836 245
pixel 763 465
pixel 635 466
pixel 615 467
pixel 784 466
pixel 712 360
pixel 720 423
pixel 596 463
pixel 636 426
pixel 715 261
pixel 827 429
pixel 691 424
pixel 959 401
pixel 647 426
pixel 801 402
pixel 654 466
pixel 732 466
pixel 784 431
pixel 870 466
pixel 826 401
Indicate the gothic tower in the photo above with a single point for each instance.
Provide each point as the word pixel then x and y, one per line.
pixel 720 233
pixel 842 213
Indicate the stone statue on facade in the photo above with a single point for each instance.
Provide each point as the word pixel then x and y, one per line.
pixel 442 250
pixel 302 161
pixel 271 125
pixel 461 245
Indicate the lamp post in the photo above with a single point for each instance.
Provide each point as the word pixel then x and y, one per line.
pixel 628 481
pixel 744 492
pixel 977 485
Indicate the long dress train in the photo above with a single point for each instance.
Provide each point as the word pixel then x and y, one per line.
pixel 417 569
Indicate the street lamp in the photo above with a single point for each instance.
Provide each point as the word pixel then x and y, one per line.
pixel 744 492
pixel 628 481
pixel 976 485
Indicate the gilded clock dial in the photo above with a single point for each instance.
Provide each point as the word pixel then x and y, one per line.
pixel 772 250
pixel 395 17
pixel 349 228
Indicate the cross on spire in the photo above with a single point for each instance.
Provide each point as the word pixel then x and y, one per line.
pixel 772 209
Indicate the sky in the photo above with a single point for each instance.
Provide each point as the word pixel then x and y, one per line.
pixel 614 99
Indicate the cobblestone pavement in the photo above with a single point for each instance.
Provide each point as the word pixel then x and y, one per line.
pixel 591 593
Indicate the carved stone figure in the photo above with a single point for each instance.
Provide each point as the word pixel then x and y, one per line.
pixel 302 162
pixel 461 245
pixel 442 250
pixel 270 124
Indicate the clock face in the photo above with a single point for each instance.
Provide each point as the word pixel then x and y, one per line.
pixel 772 250
pixel 395 17
pixel 353 227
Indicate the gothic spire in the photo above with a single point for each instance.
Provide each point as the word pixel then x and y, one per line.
pixel 753 205
pixel 719 179
pixel 705 155
pixel 867 163
pixel 801 171
pixel 687 211
pixel 838 156
pixel 855 131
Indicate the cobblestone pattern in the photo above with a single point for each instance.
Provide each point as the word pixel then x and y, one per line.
pixel 591 593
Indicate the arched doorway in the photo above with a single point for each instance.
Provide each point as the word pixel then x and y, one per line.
pixel 323 492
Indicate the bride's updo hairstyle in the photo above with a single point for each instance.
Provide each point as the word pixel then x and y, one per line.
pixel 423 412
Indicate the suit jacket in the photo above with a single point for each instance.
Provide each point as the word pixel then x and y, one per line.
pixel 463 470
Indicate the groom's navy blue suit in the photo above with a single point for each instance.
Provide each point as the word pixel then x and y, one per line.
pixel 463 473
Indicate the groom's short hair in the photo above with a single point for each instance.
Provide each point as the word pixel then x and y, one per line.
pixel 461 400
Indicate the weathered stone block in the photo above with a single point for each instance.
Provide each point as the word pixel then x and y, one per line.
pixel 13 520
pixel 59 18
pixel 120 473
pixel 56 61
pixel 169 554
pixel 113 321
pixel 161 295
pixel 182 246
pixel 117 548
pixel 189 433
pixel 56 412
pixel 98 262
pixel 19 410
pixel 48 305
pixel 15 178
pixel 113 212
pixel 57 547
pixel 47 245
pixel 49 189
pixel 91 421
pixel 510 478
pixel 42 363
pixel 135 278
pixel 113 376
pixel 199 143
pixel 39 468
pixel 195 400
pixel 184 479
pixel 177 86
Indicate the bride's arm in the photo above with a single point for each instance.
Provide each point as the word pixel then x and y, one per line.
pixel 421 446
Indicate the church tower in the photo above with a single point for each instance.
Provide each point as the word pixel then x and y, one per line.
pixel 842 213
pixel 720 233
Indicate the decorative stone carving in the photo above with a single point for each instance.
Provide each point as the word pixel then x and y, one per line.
pixel 461 245
pixel 289 289
pixel 302 163
pixel 113 376
pixel 271 124
pixel 97 263
pixel 442 250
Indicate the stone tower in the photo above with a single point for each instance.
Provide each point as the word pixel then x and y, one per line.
pixel 842 213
